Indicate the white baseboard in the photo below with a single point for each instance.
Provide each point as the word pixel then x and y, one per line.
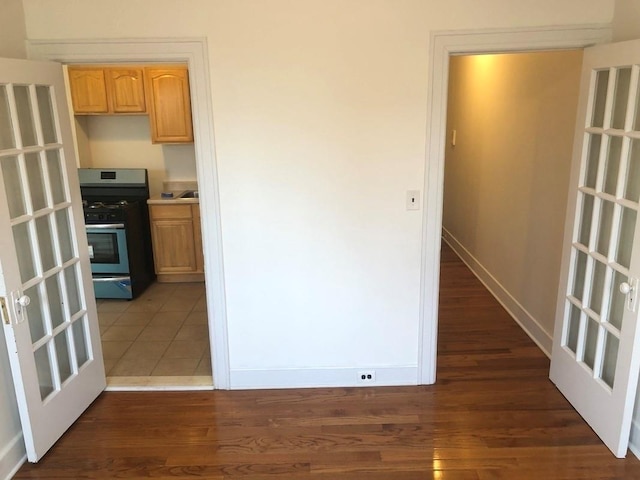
pixel 522 317
pixel 322 377
pixel 634 439
pixel 12 457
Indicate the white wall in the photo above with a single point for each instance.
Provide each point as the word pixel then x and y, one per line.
pixel 124 141
pixel 12 451
pixel 626 21
pixel 320 120
pixel 507 178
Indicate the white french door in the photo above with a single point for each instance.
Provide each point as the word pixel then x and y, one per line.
pixel 596 356
pixel 46 295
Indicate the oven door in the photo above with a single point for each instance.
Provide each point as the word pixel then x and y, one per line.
pixel 109 260
pixel 108 248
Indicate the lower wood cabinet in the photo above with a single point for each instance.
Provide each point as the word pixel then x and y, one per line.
pixel 177 242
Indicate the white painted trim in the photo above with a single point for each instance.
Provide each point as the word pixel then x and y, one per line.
pixel 193 51
pixel 634 438
pixel 442 45
pixel 12 457
pixel 521 315
pixel 321 377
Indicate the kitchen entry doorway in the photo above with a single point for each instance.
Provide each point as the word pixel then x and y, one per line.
pixel 193 52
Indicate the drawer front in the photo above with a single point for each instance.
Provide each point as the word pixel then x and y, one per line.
pixel 169 211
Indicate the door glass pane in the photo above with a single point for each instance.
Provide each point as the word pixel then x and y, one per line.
pixel 62 355
pixel 45 242
pixel 617 300
pixel 55 176
pixel 25 117
pixel 600 100
pixel 574 328
pixel 593 159
pixel 591 342
pixel 585 221
pixel 46 114
pixel 580 268
pixel 64 234
pixel 604 228
pixel 597 286
pixel 73 295
pixel 80 341
pixel 621 98
pixel 625 237
pixel 610 358
pixel 22 240
pixel 43 367
pixel 6 126
pixel 34 314
pixel 55 301
pixel 36 180
pixel 613 165
pixel 13 186
pixel 632 187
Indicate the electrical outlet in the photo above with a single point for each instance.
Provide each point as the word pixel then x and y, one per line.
pixel 367 376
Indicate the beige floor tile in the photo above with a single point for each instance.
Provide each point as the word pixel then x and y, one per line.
pixel 197 318
pixel 192 332
pixel 113 306
pixel 204 366
pixel 108 365
pixel 201 305
pixel 158 333
pixel 122 333
pixel 134 318
pixel 141 350
pixel 146 305
pixel 176 366
pixel 186 349
pixel 106 319
pixel 159 290
pixel 129 368
pixel 168 318
pixel 174 304
pixel 115 349
pixel 191 291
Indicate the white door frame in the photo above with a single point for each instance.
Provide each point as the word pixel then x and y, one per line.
pixel 192 51
pixel 442 45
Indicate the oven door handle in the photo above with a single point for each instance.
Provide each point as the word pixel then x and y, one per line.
pixel 105 225
pixel 110 279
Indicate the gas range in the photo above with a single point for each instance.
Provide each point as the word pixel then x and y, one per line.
pixel 118 232
pixel 107 211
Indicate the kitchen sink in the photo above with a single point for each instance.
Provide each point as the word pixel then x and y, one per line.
pixel 190 194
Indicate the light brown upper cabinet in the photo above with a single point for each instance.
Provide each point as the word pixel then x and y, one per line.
pixel 88 90
pixel 160 91
pixel 167 90
pixel 125 90
pixel 107 90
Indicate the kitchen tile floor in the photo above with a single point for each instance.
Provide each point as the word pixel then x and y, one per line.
pixel 163 332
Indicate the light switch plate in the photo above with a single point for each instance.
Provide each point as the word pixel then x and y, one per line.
pixel 413 199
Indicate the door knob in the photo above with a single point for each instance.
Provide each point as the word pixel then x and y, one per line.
pixel 625 288
pixel 23 301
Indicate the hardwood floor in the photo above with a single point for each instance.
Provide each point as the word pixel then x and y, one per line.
pixel 493 414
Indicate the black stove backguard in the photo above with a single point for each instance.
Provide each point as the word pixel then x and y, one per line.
pixel 124 193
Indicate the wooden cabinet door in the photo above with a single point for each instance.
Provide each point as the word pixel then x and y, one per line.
pixel 174 250
pixel 167 91
pixel 126 90
pixel 88 90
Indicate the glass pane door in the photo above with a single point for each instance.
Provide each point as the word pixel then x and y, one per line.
pixel 45 282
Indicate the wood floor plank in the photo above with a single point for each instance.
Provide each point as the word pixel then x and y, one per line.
pixel 493 414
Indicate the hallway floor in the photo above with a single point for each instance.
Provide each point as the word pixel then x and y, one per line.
pixel 163 332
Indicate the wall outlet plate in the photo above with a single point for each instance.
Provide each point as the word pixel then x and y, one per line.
pixel 367 376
